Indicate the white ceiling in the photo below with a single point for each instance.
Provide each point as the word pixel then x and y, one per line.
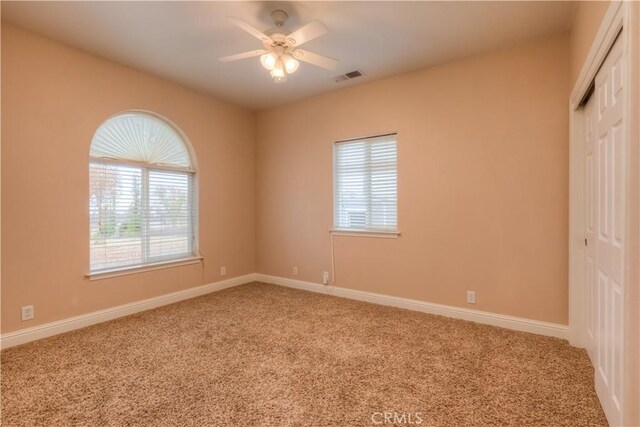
pixel 181 41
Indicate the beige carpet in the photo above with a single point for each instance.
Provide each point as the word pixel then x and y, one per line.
pixel 262 355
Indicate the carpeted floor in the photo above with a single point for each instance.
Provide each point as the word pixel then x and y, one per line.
pixel 263 355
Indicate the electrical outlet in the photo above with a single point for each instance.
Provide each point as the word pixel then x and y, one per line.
pixel 27 312
pixel 325 277
pixel 471 297
pixel 223 271
pixel 295 271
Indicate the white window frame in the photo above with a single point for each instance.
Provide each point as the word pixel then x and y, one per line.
pixel 157 263
pixel 375 232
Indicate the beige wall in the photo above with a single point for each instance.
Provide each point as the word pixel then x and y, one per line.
pixel 483 154
pixel 586 22
pixel 53 99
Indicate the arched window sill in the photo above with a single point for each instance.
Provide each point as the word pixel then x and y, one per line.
pixel 137 269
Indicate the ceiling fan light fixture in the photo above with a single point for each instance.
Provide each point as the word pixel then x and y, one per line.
pixel 278 69
pixel 268 60
pixel 290 64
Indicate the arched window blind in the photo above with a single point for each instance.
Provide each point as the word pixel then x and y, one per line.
pixel 142 194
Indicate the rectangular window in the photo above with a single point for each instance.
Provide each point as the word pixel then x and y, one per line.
pixel 366 184
pixel 139 216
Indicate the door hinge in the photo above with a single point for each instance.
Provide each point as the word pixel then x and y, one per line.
pixel 586 243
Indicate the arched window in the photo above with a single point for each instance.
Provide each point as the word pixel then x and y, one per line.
pixel 142 194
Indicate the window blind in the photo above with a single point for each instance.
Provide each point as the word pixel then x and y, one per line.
pixel 142 138
pixel 139 215
pixel 366 184
pixel 143 194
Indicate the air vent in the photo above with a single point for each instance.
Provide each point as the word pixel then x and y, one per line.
pixel 347 76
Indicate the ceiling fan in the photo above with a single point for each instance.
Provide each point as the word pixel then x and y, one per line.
pixel 281 53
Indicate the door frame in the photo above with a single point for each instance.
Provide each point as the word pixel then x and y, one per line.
pixel 619 15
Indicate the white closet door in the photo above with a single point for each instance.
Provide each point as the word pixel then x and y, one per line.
pixel 605 154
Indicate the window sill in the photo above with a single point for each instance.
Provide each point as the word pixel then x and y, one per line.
pixel 379 234
pixel 107 274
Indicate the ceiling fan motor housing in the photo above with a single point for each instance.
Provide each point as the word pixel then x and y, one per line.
pixel 277 39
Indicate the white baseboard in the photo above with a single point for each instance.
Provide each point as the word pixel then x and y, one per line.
pixel 501 320
pixel 26 335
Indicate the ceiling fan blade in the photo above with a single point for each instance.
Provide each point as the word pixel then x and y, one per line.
pixel 250 29
pixel 315 59
pixel 243 55
pixel 309 32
